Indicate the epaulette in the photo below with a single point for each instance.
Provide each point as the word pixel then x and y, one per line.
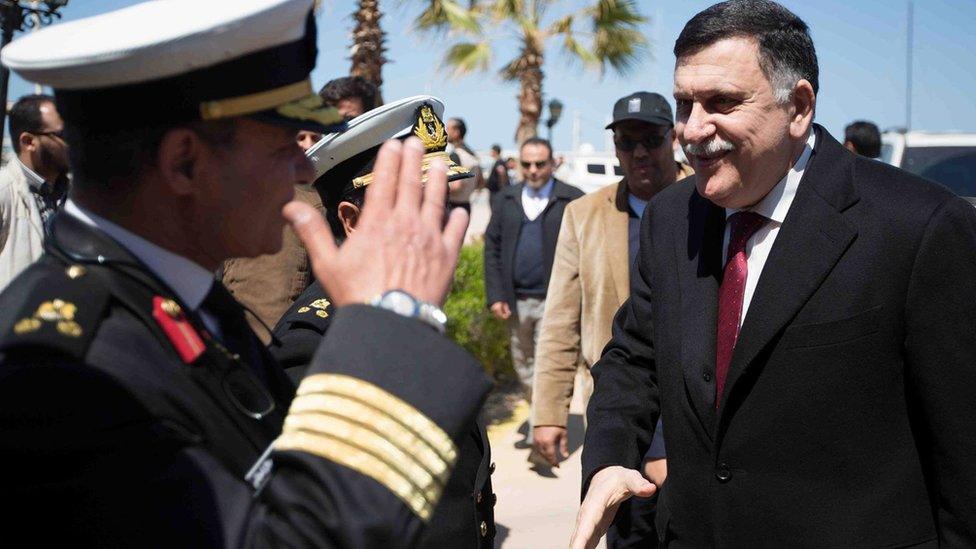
pixel 53 305
pixel 316 314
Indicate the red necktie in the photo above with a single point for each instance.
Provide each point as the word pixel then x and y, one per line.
pixel 742 226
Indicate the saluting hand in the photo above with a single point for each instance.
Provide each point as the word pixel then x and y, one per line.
pixel 400 242
pixel 609 488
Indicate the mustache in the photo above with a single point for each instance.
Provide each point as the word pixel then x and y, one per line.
pixel 709 148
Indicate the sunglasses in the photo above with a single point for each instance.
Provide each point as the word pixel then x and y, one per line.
pixel 539 165
pixel 650 142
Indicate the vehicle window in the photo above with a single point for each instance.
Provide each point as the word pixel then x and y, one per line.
pixel 596 168
pixel 886 152
pixel 617 170
pixel 953 167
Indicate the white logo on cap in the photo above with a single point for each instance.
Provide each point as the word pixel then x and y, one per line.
pixel 634 105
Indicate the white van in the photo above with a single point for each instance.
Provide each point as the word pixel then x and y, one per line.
pixel 589 172
pixel 946 158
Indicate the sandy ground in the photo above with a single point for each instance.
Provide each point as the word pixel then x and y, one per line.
pixel 536 507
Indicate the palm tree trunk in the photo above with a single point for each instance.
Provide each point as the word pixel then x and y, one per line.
pixel 367 45
pixel 530 93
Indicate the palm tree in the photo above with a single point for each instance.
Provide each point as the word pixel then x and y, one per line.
pixel 610 39
pixel 368 45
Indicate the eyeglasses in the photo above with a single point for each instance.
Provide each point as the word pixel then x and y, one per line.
pixel 539 164
pixel 59 134
pixel 650 142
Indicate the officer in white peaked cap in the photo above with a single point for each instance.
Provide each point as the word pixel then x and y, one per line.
pixel 137 408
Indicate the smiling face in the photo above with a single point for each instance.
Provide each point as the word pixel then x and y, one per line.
pixel 739 139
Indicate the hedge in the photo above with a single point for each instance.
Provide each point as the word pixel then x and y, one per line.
pixel 469 323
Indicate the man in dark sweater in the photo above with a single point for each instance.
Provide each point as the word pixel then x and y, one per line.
pixel 520 245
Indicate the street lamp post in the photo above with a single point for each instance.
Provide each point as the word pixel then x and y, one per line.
pixel 555 111
pixel 15 16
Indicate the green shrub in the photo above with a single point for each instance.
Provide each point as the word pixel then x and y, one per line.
pixel 469 322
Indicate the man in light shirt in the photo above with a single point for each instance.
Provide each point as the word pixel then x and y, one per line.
pixel 806 338
pixel 520 245
pixel 33 184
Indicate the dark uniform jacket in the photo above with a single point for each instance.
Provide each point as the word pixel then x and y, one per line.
pixel 125 424
pixel 465 515
pixel 848 417
pixel 501 237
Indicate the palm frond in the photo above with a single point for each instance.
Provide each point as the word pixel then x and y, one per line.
pixel 468 57
pixel 447 15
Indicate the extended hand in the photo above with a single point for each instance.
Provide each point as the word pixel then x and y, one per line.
pixel 609 488
pixel 548 439
pixel 399 242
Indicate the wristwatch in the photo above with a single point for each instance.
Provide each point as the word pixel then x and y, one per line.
pixel 404 304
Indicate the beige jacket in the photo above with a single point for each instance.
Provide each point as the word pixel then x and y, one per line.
pixel 590 280
pixel 21 228
pixel 269 284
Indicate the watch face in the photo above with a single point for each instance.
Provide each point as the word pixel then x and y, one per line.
pixel 400 303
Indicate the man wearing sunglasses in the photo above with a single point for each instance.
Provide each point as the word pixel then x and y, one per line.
pixel 33 185
pixel 591 279
pixel 520 245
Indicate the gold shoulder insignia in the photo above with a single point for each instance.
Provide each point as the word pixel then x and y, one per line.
pixel 320 306
pixel 430 129
pixel 58 311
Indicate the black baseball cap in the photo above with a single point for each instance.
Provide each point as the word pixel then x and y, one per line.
pixel 643 107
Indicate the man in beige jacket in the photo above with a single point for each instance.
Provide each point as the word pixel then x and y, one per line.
pixel 33 184
pixel 591 273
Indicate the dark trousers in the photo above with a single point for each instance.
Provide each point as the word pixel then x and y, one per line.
pixel 634 525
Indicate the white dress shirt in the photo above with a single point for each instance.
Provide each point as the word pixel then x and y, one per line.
pixel 534 201
pixel 774 206
pixel 189 281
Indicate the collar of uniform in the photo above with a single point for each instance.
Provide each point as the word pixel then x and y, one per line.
pixel 189 281
pixel 544 191
pixel 777 202
pixel 34 179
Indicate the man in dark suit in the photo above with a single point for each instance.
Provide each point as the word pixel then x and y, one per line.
pixel 464 518
pixel 802 321
pixel 520 245
pixel 136 405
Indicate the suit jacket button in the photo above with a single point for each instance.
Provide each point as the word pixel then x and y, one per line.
pixel 477 498
pixel 723 473
pixel 484 529
pixel 707 376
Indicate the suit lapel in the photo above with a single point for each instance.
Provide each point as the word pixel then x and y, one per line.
pixel 699 269
pixel 813 238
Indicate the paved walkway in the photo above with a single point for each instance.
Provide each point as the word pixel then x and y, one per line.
pixel 536 508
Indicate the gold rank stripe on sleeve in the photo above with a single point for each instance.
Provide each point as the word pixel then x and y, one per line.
pixel 361 426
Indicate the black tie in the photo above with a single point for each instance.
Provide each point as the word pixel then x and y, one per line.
pixel 236 335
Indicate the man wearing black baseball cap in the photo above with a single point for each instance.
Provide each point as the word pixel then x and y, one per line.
pixel 584 294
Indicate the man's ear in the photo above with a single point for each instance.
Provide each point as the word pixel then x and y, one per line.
pixel 27 141
pixel 804 103
pixel 349 215
pixel 178 159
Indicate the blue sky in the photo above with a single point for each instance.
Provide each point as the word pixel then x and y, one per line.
pixel 860 43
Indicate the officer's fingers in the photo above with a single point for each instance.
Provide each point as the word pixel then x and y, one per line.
pixel 310 227
pixel 453 236
pixel 435 195
pixel 409 190
pixel 564 445
pixel 382 192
